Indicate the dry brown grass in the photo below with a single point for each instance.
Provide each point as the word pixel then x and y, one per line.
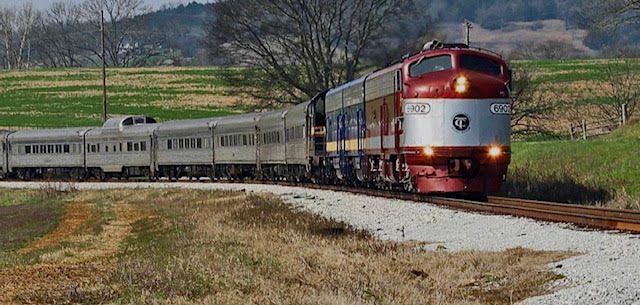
pixel 260 251
pixel 229 248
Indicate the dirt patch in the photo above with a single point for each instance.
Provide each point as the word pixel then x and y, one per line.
pixel 83 264
pixel 77 214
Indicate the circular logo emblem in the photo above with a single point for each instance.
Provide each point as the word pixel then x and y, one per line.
pixel 461 122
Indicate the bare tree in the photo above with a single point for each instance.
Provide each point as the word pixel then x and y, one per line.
pixel 7 17
pixel 622 90
pixel 612 14
pixel 529 109
pixel 123 29
pixel 301 46
pixel 59 34
pixel 16 25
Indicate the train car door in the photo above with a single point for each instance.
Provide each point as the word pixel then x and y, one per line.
pixel 342 141
pixel 360 140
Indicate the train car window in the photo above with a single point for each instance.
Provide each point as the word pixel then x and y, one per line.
pixel 480 64
pixel 136 146
pixel 278 136
pixel 143 146
pixel 120 147
pixel 127 122
pixel 193 143
pixel 114 148
pixel 169 146
pixel 428 65
pixel 199 143
pixel 27 149
pixel 65 148
pixel 98 147
pixel 181 144
pixel 106 148
pixel 58 149
pixel 49 149
pixel 129 146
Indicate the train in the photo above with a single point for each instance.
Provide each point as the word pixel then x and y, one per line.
pixel 437 121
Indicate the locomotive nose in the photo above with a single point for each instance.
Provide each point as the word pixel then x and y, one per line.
pixel 479 85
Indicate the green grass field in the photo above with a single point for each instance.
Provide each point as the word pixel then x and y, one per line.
pixel 575 70
pixel 73 97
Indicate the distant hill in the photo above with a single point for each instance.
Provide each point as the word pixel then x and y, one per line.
pixel 520 28
pixel 183 27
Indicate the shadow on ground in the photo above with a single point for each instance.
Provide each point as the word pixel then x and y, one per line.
pixel 556 187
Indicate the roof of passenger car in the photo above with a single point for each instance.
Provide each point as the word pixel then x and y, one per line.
pixel 49 134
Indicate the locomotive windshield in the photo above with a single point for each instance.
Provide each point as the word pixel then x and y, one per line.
pixel 480 64
pixel 431 64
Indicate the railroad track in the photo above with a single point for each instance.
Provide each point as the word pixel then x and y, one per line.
pixel 584 216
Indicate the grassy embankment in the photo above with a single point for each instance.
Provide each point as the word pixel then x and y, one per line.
pixel 202 247
pixel 603 171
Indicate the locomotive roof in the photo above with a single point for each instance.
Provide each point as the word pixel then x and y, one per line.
pixel 453 50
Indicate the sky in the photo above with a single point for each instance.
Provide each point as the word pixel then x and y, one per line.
pixel 42 4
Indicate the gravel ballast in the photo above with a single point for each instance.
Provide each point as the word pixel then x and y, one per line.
pixel 606 272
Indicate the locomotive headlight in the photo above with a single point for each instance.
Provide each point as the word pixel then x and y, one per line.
pixel 495 151
pixel 461 85
pixel 428 151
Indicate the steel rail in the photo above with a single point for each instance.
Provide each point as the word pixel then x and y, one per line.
pixel 583 216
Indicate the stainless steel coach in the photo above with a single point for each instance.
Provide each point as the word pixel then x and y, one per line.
pixel 122 147
pixel 48 152
pixel 184 148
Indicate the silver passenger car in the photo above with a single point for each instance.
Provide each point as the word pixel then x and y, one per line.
pixel 45 153
pixel 122 147
pixel 296 141
pixel 271 151
pixel 235 145
pixel 184 148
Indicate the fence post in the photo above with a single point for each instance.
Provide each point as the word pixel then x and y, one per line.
pixel 624 114
pixel 584 129
pixel 571 131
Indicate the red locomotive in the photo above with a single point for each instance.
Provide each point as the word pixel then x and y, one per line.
pixel 436 122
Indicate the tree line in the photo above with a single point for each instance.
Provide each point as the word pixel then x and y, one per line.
pixel 68 34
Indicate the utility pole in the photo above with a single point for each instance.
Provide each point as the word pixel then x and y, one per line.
pixel 468 26
pixel 104 69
